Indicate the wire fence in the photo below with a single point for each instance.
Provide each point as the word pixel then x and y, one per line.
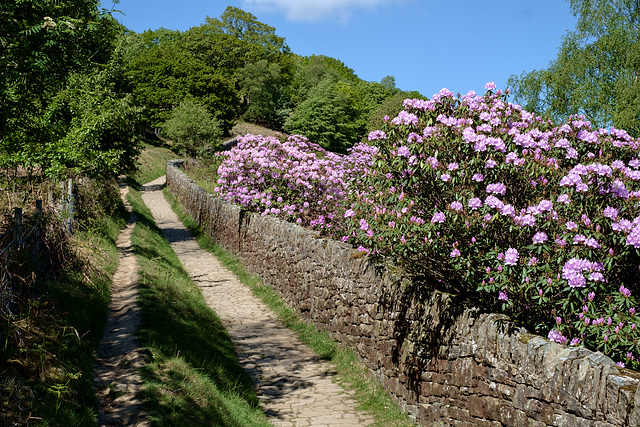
pixel 31 243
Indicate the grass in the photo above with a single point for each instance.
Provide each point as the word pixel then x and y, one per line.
pixel 369 394
pixel 194 376
pixel 46 376
pixel 153 161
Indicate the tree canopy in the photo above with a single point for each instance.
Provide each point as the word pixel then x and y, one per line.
pixel 62 96
pixel 596 71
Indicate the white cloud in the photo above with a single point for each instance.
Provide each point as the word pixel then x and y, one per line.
pixel 312 10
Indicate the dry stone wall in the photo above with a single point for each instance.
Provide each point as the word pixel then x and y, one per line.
pixel 441 361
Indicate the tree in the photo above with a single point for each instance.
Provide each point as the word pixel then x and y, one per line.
pixel 164 75
pixel 389 83
pixel 262 86
pixel 325 118
pixel 193 129
pixel 63 109
pixel 93 127
pixel 596 71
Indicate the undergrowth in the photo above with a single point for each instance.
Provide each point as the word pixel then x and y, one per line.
pixel 48 340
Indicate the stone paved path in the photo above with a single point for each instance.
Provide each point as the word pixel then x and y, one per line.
pixel 294 386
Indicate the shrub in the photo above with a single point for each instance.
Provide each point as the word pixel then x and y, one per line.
pixel 479 197
pixel 290 177
pixel 193 129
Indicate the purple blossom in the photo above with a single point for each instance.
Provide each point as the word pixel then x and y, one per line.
pixel 405 118
pixel 364 225
pixel 493 202
pixel 456 206
pixel 445 177
pixel 438 217
pixel 377 134
pixel 571 226
pixel 610 212
pixel 454 253
pixel 404 151
pixel 497 188
pixel 478 177
pixel 540 237
pixel 502 296
pixel 490 85
pixel 475 203
pixel 572 271
pixel 633 239
pixel 557 336
pixel 511 256
pixel 624 291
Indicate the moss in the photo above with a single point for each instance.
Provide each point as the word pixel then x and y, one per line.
pixel 525 337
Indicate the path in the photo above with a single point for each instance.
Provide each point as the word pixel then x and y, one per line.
pixel 294 386
pixel 116 377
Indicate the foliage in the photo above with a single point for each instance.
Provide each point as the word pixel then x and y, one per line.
pixel 326 117
pixel 390 106
pixel 48 347
pixel 61 92
pixel 163 75
pixel 479 197
pixel 192 129
pixel 263 88
pixel 92 128
pixel 476 195
pixel 596 70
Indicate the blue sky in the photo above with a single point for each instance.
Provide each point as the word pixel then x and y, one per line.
pixel 425 44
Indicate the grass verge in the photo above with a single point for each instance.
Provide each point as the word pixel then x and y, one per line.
pixel 152 162
pixel 194 376
pixel 351 374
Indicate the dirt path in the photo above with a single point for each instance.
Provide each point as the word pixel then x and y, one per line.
pixel 116 377
pixel 293 384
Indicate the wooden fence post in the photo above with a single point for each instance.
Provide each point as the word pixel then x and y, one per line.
pixel 70 206
pixel 17 231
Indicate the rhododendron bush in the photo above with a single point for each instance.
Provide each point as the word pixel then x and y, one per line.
pixel 291 177
pixel 475 196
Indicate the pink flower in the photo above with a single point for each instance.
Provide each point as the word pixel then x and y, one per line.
pixel 438 217
pixel 511 256
pixel 557 337
pixel 456 206
pixel 540 237
pixel 454 253
pixel 502 296
pixel 475 203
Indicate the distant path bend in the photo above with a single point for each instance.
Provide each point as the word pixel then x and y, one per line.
pixel 294 386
